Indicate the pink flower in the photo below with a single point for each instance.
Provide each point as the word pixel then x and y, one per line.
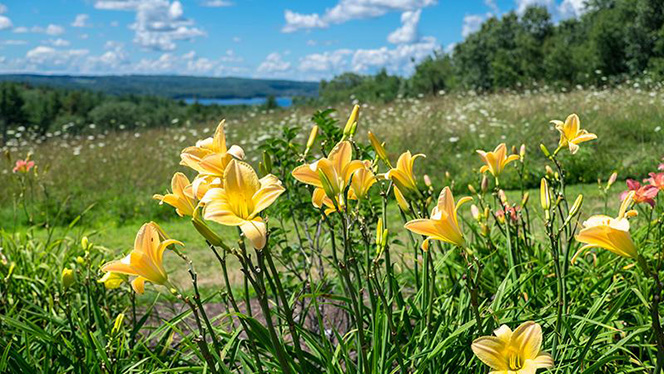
pixel 513 213
pixel 642 194
pixel 23 166
pixel 656 179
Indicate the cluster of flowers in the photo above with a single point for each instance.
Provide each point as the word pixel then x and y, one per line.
pixel 228 191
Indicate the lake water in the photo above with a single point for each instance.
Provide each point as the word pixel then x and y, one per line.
pixel 283 102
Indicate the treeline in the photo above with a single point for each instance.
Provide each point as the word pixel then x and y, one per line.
pixel 41 110
pixel 612 41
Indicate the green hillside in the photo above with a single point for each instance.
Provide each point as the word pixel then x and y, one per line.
pixel 171 85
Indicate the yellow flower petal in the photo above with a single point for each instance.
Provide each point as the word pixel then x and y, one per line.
pixel 256 232
pixel 491 351
pixel 528 339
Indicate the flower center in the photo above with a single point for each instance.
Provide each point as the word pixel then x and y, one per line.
pixel 514 361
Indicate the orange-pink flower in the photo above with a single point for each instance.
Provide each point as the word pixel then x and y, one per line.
pixel 23 166
pixel 642 194
pixel 657 180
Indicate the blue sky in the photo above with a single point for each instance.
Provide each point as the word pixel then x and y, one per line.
pixel 297 39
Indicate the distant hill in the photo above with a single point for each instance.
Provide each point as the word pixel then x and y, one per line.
pixel 173 86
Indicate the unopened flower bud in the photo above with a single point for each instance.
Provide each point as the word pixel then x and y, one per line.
pixel 525 198
pixel 267 162
pixel 379 149
pixel 80 260
pixel 545 151
pixel 475 212
pixel 484 185
pixel 472 189
pixel 545 197
pixel 502 196
pixel 67 277
pixel 522 151
pixel 206 231
pixel 312 138
pixel 85 242
pixel 327 185
pixel 576 207
pixel 117 325
pixel 427 181
pixel 425 245
pixel 351 125
pixel 612 180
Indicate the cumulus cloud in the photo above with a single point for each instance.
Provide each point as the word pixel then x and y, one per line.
pixel 272 64
pixel 407 33
pixel 59 42
pixel 572 8
pixel 159 24
pixel 54 30
pixel 295 21
pixel 216 3
pixel 49 56
pixel 347 10
pixel 13 42
pixel 80 20
pixel 333 61
pixel 5 23
pixel 398 60
pixel 471 23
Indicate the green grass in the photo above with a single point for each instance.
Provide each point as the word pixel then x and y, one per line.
pixel 352 313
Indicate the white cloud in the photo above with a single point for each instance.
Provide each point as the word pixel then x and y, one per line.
pixel 334 61
pixel 398 60
pixel 59 42
pixel 3 8
pixel 159 23
pixel 54 30
pixel 295 21
pixel 572 8
pixel 407 33
pixel 273 64
pixel 521 5
pixel 5 23
pixel 471 23
pixel 50 56
pixel 237 39
pixel 80 20
pixel 51 29
pixel 347 10
pixel 493 6
pixel 13 42
pixel 117 4
pixel 216 3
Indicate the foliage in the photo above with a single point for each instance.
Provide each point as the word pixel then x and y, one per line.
pixel 173 86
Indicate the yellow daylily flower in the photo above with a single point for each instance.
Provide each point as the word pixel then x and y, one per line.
pixel 571 134
pixel 496 161
pixel 513 352
pixel 362 180
pixel 112 280
pixel 612 234
pixel 320 199
pixel 241 199
pixel 337 169
pixel 181 198
pixel 443 224
pixel 145 261
pixel 210 156
pixel 402 175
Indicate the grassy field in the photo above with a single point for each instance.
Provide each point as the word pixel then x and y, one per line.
pixel 343 295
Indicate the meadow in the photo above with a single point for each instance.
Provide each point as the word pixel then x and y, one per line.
pixel 341 258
